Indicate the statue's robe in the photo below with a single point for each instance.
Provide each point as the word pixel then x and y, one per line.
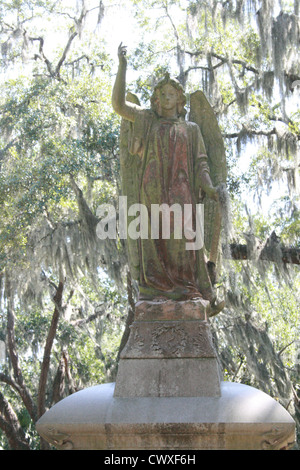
pixel 172 169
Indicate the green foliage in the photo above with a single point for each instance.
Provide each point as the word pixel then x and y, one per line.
pixel 56 130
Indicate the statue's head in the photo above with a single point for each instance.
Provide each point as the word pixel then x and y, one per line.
pixel 181 98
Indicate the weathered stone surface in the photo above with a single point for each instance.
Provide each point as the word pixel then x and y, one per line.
pixel 188 377
pixel 170 310
pixel 241 418
pixel 169 339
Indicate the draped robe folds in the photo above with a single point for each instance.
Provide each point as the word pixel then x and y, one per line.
pixel 172 170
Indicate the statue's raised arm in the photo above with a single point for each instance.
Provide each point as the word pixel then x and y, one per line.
pixel 122 107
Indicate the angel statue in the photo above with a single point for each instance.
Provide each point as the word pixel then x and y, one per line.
pixel 167 160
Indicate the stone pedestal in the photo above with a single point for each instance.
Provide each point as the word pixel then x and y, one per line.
pixel 169 353
pixel 168 395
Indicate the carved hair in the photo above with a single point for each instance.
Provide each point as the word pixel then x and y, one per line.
pixel 167 80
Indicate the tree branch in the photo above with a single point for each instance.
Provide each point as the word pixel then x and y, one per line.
pixel 64 54
pixel 84 321
pixel 76 28
pixel 87 216
pixel 285 347
pixel 59 382
pixel 42 54
pixel 71 387
pixel 242 252
pixel 249 132
pixel 223 60
pixel 244 64
pixel 9 381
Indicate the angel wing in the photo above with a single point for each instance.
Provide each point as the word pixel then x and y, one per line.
pixel 129 169
pixel 203 114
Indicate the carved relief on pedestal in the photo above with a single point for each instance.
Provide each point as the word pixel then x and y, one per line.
pixel 169 339
pixel 138 340
pixel 202 343
pixel 58 439
pixel 279 438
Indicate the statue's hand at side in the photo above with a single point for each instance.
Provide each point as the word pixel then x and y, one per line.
pixel 122 51
pixel 212 193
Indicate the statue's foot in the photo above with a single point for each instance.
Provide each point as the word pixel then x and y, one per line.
pixel 160 298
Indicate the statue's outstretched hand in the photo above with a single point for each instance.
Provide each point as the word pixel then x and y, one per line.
pixel 122 51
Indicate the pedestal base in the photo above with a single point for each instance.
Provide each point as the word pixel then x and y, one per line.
pixel 241 418
pixel 187 377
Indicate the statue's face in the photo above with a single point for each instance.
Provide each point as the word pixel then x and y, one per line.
pixel 168 97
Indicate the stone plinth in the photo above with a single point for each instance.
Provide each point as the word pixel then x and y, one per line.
pixel 168 395
pixel 169 352
pixel 241 418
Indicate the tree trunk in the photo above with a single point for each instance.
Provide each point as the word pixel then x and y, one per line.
pixel 59 382
pixel 9 423
pixel 47 351
pixel 130 316
pixel 22 389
